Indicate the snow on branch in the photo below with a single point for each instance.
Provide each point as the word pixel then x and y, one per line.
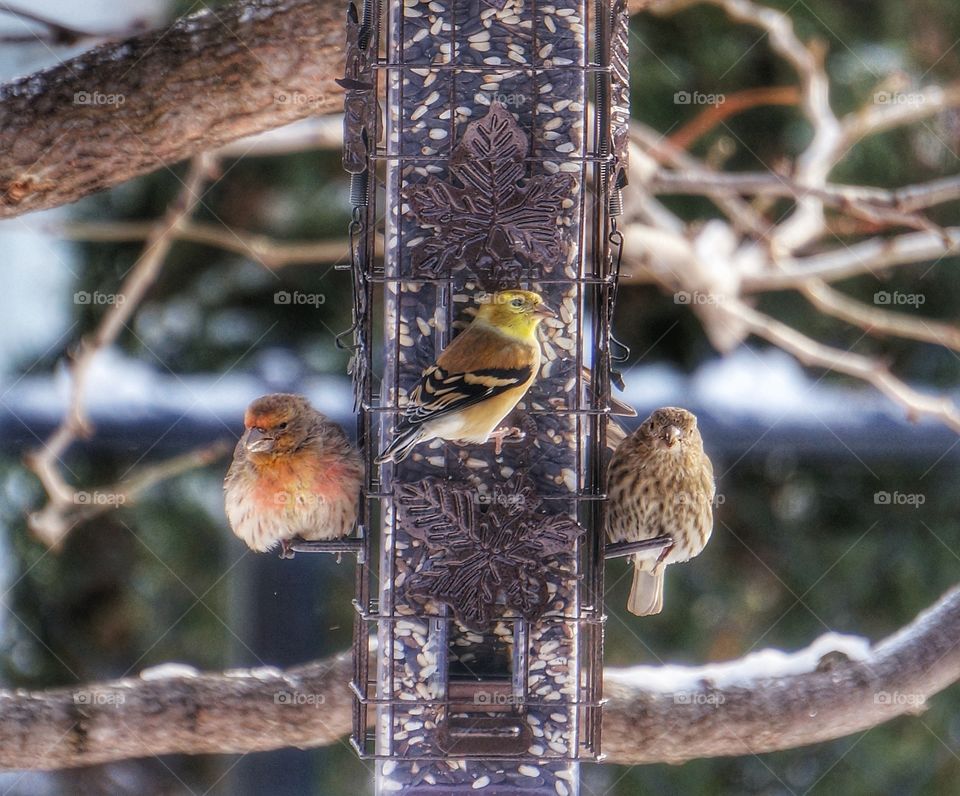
pixel 771 700
pixel 766 701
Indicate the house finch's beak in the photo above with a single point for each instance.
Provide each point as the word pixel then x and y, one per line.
pixel 543 311
pixel 674 435
pixel 257 441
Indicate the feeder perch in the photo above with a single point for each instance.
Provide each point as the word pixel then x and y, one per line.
pixel 486 141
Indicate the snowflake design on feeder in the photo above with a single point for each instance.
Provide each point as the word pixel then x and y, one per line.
pixel 493 225
pixel 480 554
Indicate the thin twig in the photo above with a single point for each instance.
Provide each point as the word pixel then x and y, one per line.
pixel 56 32
pixel 55 520
pixel 870 256
pixel 876 118
pixel 877 321
pixel 733 103
pixel 45 462
pixel 813 353
pixel 263 249
pixel 744 217
pixel 877 205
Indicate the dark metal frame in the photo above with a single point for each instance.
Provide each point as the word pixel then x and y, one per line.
pixel 601 175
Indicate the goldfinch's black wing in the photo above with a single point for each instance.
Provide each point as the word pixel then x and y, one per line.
pixel 440 392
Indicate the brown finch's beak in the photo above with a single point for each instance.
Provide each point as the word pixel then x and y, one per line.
pixel 674 435
pixel 257 441
pixel 543 311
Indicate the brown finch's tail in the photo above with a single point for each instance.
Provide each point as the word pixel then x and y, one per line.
pixel 646 594
pixel 400 448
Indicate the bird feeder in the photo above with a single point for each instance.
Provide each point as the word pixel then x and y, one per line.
pixel 486 140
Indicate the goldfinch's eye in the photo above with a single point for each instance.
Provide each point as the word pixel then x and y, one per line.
pixel 517 302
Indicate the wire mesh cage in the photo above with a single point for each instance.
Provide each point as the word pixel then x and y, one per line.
pixel 495 162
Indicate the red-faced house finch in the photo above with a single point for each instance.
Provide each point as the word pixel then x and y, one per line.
pixel 478 378
pixel 294 474
pixel 660 482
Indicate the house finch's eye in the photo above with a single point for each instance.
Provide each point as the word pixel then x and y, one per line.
pixel 282 426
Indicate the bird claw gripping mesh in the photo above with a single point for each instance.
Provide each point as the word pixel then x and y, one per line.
pixel 496 161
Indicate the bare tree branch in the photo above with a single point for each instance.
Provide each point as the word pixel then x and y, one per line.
pixel 874 204
pixel 214 78
pixel 128 108
pixel 56 33
pixel 877 321
pixel 813 353
pixel 55 520
pixel 878 118
pixel 733 103
pixel 729 712
pixel 872 256
pixel 645 173
pixel 764 702
pixel 714 265
pixel 262 249
pixel 173 709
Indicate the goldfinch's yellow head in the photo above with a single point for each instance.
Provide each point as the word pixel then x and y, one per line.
pixel 515 312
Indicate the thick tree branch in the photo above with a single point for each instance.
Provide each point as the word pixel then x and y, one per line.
pixel 764 702
pixel 129 108
pixel 173 709
pixel 726 712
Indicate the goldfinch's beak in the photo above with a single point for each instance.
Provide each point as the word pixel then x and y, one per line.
pixel 543 311
pixel 674 435
pixel 257 441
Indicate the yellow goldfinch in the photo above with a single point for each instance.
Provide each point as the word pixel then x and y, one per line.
pixel 478 378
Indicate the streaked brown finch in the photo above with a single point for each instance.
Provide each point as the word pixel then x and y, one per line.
pixel 660 482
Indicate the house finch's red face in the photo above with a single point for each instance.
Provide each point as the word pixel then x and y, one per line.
pixel 294 474
pixel 660 481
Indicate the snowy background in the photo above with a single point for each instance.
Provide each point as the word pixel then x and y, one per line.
pixel 801 545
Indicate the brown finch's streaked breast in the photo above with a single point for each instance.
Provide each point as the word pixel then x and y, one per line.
pixel 661 482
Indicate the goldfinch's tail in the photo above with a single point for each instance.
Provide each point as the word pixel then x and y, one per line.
pixel 646 594
pixel 400 448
